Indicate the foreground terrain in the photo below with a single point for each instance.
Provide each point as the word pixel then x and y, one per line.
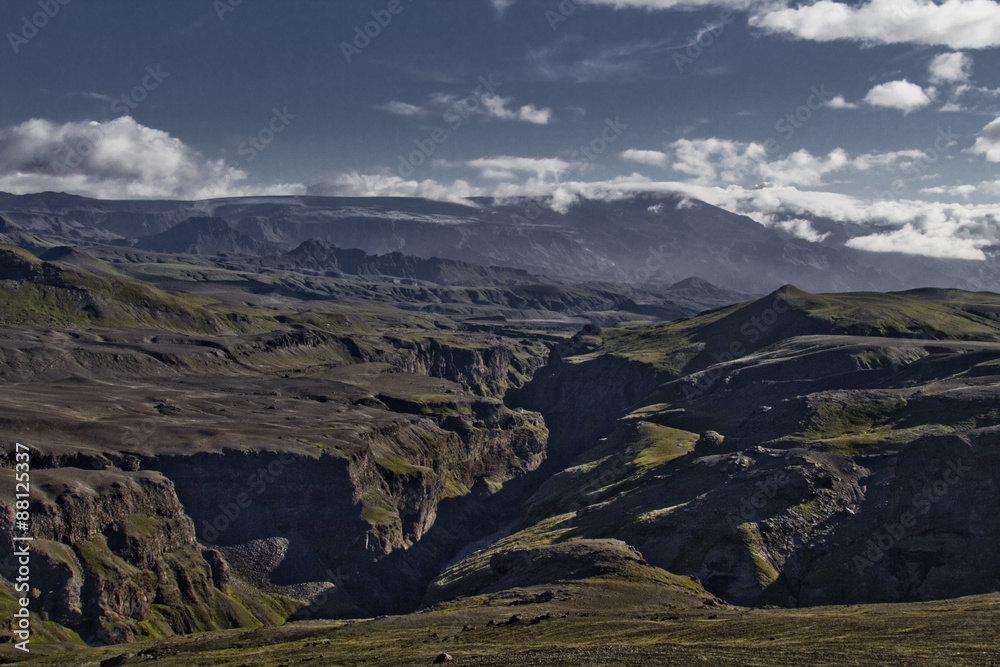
pixel 287 463
pixel 568 631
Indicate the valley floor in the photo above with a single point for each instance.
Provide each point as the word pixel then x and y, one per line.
pixel 566 630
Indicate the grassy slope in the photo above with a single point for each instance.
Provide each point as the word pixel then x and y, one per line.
pixel 607 621
pixel 53 295
pixel 865 373
pixel 747 348
pixel 689 345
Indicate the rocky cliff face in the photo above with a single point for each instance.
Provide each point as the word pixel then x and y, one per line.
pixel 115 558
pixel 211 489
pixel 347 520
pixel 581 403
pixel 800 528
pixel 486 370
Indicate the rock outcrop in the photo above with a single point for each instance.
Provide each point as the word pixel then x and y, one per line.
pixel 115 558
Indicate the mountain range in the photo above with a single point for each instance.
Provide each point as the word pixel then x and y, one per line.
pixel 643 240
pixel 423 426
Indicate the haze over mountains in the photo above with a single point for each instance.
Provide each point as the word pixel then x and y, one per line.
pixel 646 239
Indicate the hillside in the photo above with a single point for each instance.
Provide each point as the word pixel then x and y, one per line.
pixel 318 271
pixel 76 289
pixel 258 461
pixel 771 448
pixel 203 236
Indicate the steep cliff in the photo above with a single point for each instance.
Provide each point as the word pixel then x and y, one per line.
pixel 115 558
pixel 190 481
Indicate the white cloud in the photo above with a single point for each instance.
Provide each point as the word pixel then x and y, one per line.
pixel 954 191
pixel 929 243
pixel 802 229
pixel 950 67
pixel 489 105
pixel 403 109
pixel 959 24
pixel 495 106
pixel 972 98
pixel 652 158
pixel 898 160
pixel 803 168
pixel 100 97
pixel 665 4
pixel 901 95
pixel 587 63
pixel 505 167
pixel 116 159
pixel 355 184
pixel 712 161
pixel 530 114
pixel 838 102
pixel 937 229
pixel 723 162
pixel 928 228
pixel 988 141
pixel 501 5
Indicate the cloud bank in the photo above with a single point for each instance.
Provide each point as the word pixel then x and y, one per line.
pixel 958 24
pixel 116 159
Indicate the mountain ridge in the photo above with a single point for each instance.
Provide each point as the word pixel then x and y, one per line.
pixel 658 239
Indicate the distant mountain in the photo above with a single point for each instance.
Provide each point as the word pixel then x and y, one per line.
pixel 317 270
pixel 648 239
pixel 699 289
pixel 204 236
pixel 321 256
pixel 12 234
pixel 75 258
pixel 71 288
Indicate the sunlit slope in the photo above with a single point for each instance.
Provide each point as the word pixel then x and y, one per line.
pixel 83 291
pixel 773 448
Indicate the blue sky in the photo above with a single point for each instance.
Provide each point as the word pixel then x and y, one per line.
pixel 883 114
